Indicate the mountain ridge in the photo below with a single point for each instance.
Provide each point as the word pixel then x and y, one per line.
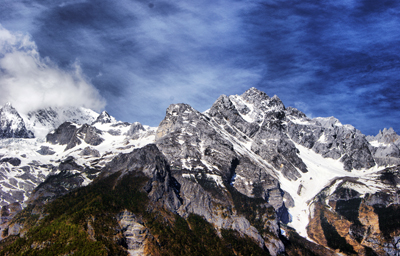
pixel 246 150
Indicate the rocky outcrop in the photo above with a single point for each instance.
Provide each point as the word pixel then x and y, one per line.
pixel 386 147
pixel 331 139
pixel 45 150
pixel 62 135
pixel 11 160
pixel 355 223
pixel 88 151
pixel 104 118
pixel 134 130
pixel 162 188
pixel 11 124
pixel 70 135
pixel 134 231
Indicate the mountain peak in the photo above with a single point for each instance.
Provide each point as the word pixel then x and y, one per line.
pixel 254 94
pixel 11 123
pixel 104 118
pixel 387 136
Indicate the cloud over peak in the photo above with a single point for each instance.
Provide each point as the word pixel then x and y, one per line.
pixel 31 82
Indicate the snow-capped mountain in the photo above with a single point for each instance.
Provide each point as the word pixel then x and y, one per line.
pixel 42 121
pixel 247 164
pixel 11 124
pixel 104 118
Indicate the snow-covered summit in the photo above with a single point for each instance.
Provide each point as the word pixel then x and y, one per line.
pixel 42 121
pixel 11 124
pixel 104 118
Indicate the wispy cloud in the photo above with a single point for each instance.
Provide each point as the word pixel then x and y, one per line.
pixel 340 57
pixel 30 82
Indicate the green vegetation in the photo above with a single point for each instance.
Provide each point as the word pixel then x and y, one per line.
pixel 84 222
pixel 241 245
pixel 63 230
pixel 195 236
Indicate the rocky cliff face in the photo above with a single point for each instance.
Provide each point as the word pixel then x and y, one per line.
pixel 248 169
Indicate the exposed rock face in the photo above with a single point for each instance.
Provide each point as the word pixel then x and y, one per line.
pixel 134 231
pixel 88 151
pixel 247 164
pixel 62 135
pixel 45 150
pixel 328 137
pixel 7 212
pixel 11 160
pixel 186 137
pixel 104 118
pixel 204 162
pixel 134 129
pixel 11 124
pixel 68 134
pixel 386 147
pixel 265 125
pixel 357 223
pixel 162 188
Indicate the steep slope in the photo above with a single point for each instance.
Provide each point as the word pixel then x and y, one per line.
pixel 43 121
pixel 249 169
pixel 11 124
pixel 81 150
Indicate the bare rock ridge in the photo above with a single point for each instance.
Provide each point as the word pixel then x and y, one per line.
pixel 104 118
pixel 72 136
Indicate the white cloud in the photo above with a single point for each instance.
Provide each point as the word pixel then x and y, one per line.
pixel 31 82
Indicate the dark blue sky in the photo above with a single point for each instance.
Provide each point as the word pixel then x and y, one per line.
pixel 327 58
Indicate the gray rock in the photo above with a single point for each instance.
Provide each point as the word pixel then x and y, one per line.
pixel 104 118
pixel 87 133
pixel 162 188
pixel 62 135
pixel 134 129
pixel 11 160
pixel 134 231
pixel 88 151
pixel 68 134
pixel 45 150
pixel 12 125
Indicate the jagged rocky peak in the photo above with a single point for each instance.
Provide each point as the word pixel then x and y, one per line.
pixel 254 95
pixel 135 128
pixel 104 118
pixel 388 136
pixel 262 100
pixel 328 122
pixel 177 109
pixel 69 134
pixel 294 112
pixel 385 147
pixel 11 124
pixel 177 115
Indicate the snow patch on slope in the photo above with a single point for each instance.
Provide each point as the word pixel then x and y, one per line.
pixel 321 173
